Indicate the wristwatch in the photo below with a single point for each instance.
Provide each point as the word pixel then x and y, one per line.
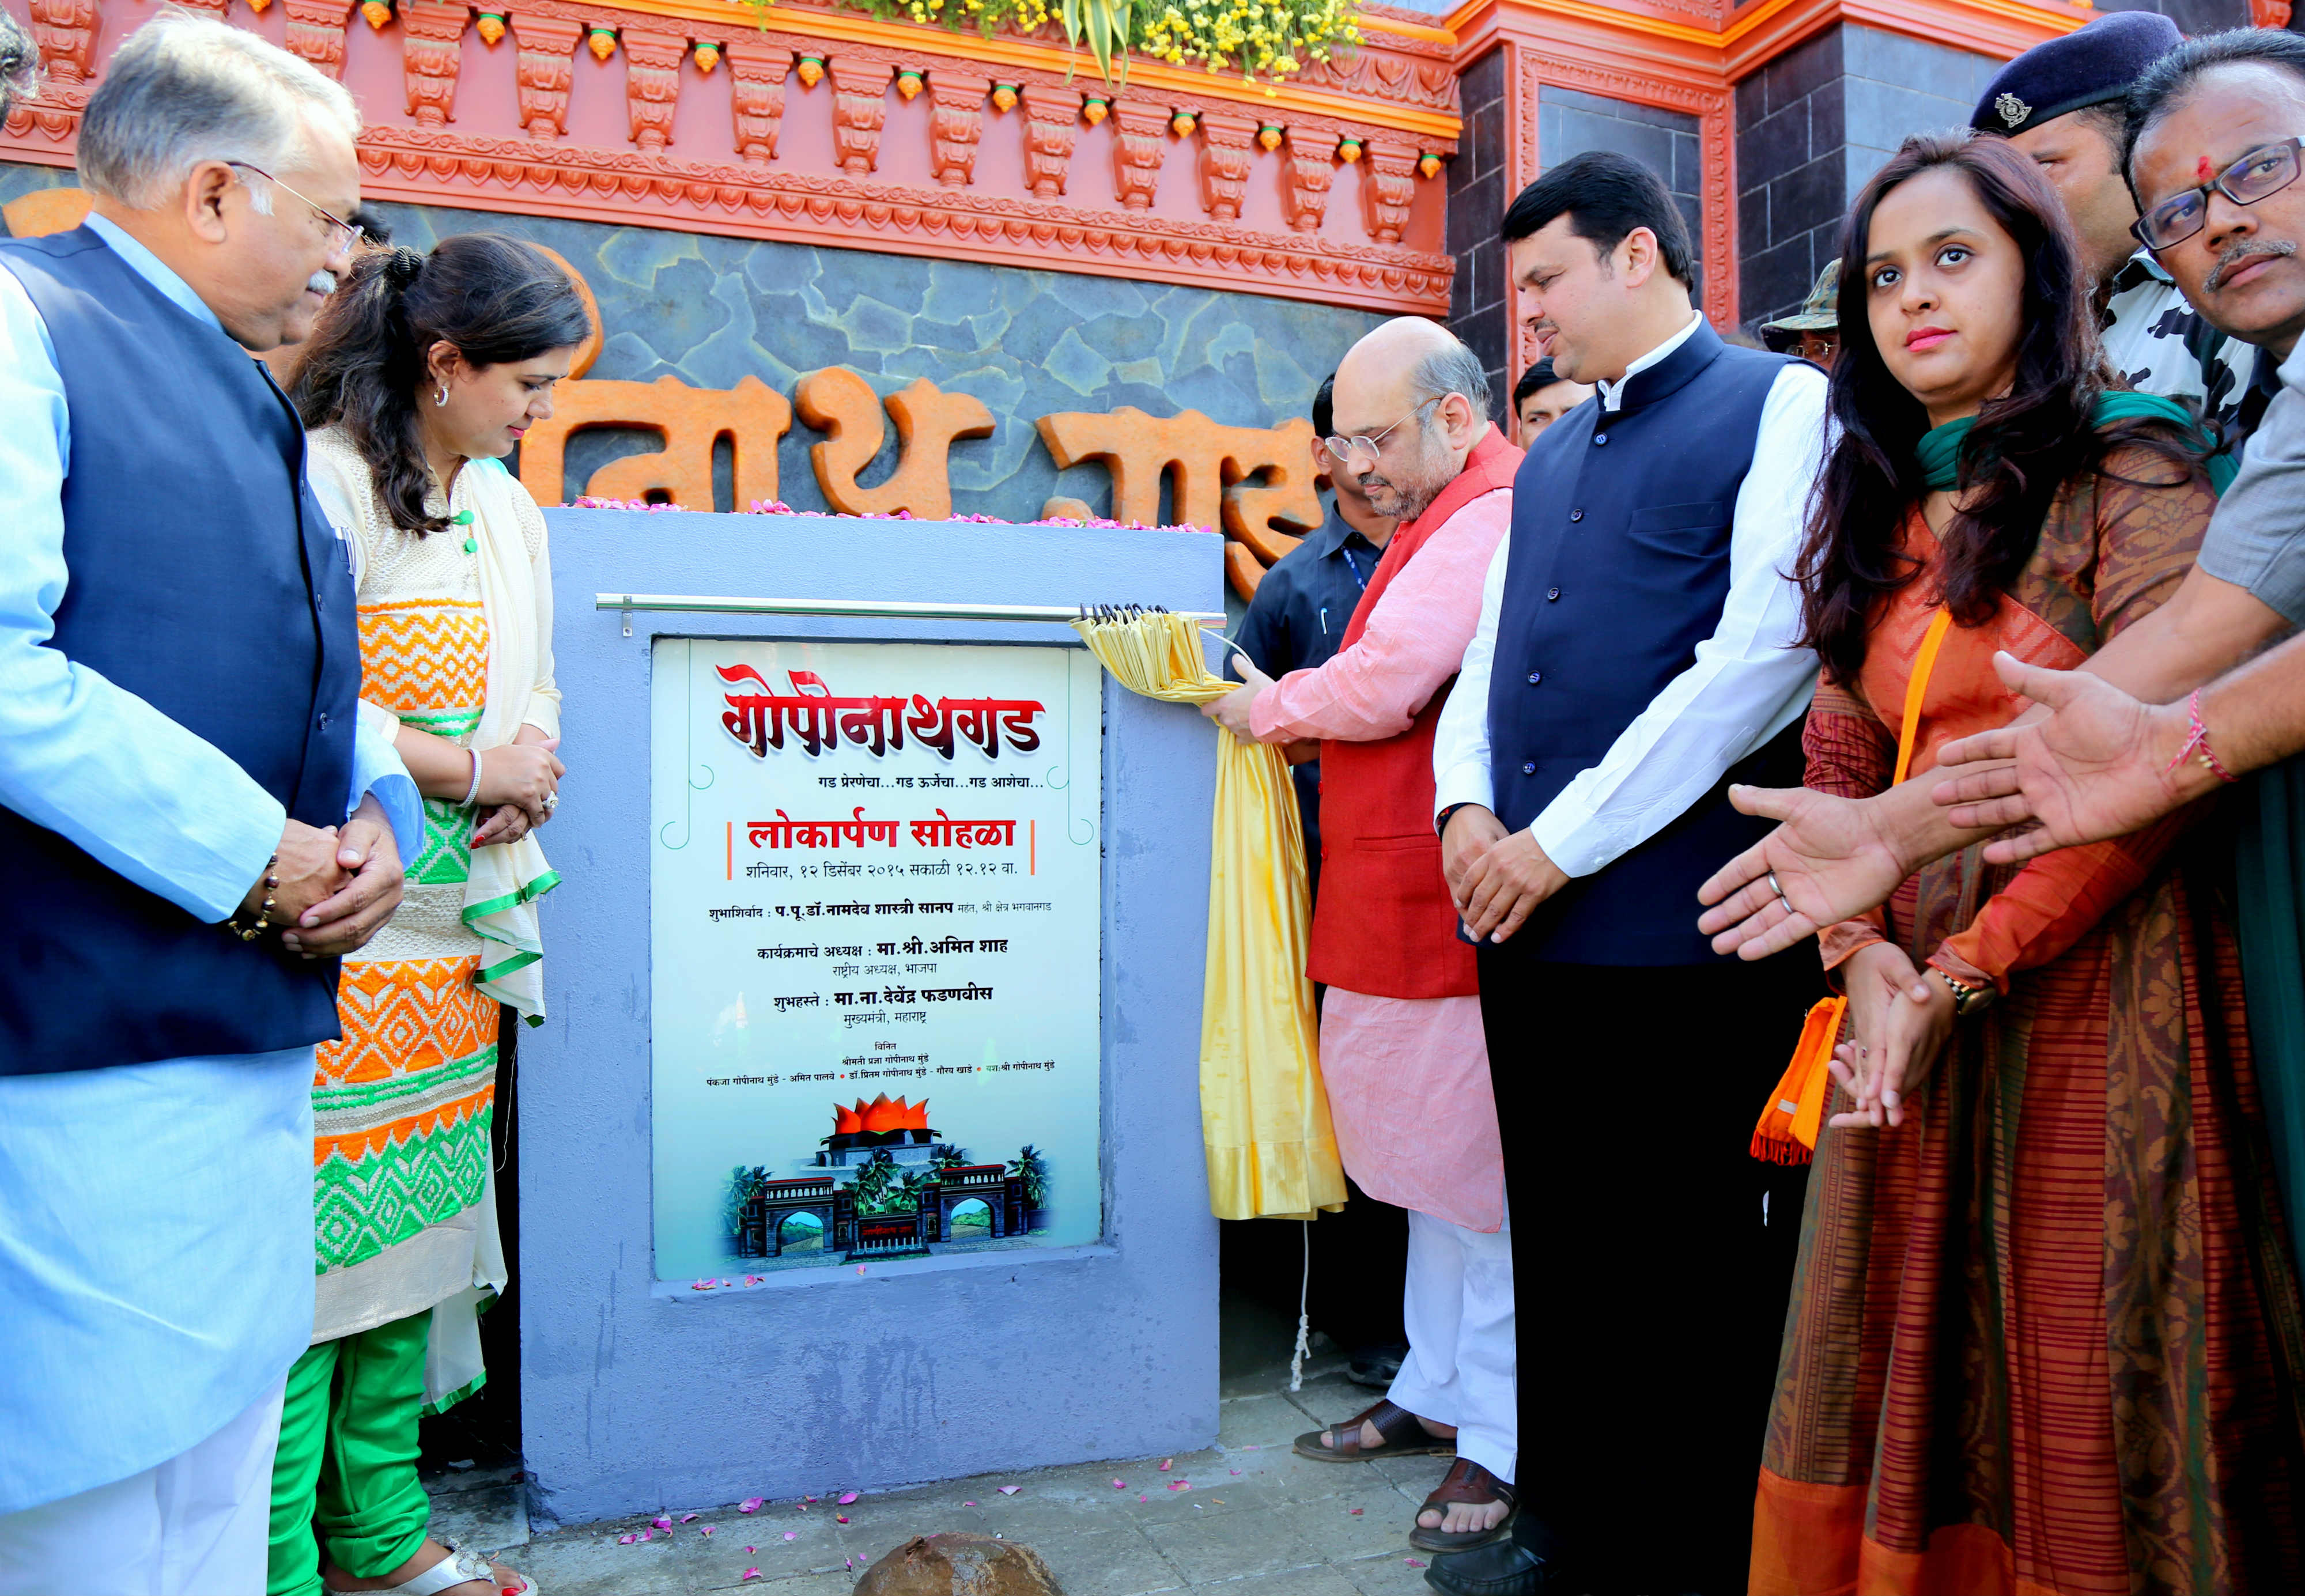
pixel 1965 999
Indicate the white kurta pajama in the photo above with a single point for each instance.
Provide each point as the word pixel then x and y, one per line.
pixel 1408 1078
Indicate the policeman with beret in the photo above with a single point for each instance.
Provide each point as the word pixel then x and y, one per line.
pixel 2063 104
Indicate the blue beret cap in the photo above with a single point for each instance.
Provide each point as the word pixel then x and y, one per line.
pixel 2086 67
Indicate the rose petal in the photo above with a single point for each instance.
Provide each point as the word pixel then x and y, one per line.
pixel 790 1535
pixel 1356 1512
pixel 690 1517
pixel 1236 1471
pixel 807 1499
pixel 968 1504
pixel 661 1522
pixel 1010 1490
pixel 626 1539
pixel 707 1529
pixel 847 1499
pixel 1120 1485
pixel 648 1535
pixel 1167 1464
pixel 749 1505
pixel 751 1573
pixel 1412 1562
pixel 840 1518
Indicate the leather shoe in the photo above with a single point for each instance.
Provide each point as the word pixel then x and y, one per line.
pixel 1525 1565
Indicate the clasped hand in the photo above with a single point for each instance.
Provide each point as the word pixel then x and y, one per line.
pixel 1497 877
pixel 1899 1022
pixel 337 885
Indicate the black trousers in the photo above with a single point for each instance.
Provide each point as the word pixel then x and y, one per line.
pixel 1654 1282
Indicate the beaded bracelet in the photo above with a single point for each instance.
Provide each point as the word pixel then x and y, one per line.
pixel 2196 743
pixel 249 933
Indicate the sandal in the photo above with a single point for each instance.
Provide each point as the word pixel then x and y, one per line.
pixel 1404 1437
pixel 1466 1481
pixel 458 1567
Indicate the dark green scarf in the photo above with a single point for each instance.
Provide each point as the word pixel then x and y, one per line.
pixel 1939 450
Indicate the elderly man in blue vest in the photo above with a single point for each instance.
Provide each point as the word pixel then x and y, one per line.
pixel 1635 653
pixel 192 826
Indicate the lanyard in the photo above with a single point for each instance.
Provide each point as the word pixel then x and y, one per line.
pixel 1353 565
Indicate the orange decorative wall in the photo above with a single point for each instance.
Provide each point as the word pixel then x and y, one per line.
pixel 831 127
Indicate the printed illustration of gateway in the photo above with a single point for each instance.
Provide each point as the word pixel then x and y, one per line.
pixel 889 1188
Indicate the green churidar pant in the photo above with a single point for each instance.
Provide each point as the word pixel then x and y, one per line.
pixel 345 1475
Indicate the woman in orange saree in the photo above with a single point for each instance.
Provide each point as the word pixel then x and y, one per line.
pixel 2044 1337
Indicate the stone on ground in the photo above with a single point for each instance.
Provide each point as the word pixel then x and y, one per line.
pixel 960 1564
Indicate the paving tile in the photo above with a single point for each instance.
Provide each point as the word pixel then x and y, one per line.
pixel 1116 1562
pixel 1269 1420
pixel 1318 1581
pixel 589 1562
pixel 1389 1575
pixel 1225 1546
pixel 1416 1476
pixel 1331 1530
pixel 493 1518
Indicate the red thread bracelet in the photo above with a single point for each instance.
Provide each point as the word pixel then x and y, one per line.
pixel 2196 743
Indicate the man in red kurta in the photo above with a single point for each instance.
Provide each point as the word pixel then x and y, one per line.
pixel 1401 1045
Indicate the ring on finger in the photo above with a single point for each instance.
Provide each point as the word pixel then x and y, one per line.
pixel 1774 887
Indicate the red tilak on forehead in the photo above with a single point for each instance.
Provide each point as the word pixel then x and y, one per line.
pixel 2203 170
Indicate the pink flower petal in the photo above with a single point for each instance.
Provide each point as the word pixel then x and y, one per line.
pixel 840 1518
pixel 707 1529
pixel 791 1535
pixel 849 1498
pixel 1356 1512
pixel 968 1504
pixel 1412 1562
pixel 751 1573
pixel 808 1499
pixel 749 1504
pixel 661 1522
pixel 1236 1471
pixel 1120 1485
pixel 1167 1464
pixel 690 1517
pixel 752 1549
pixel 648 1535
pixel 626 1539
pixel 1180 1485
pixel 1010 1490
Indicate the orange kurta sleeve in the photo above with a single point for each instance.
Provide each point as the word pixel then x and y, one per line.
pixel 1851 755
pixel 2146 538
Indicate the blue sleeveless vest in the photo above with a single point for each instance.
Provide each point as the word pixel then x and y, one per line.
pixel 1619 569
pixel 204 579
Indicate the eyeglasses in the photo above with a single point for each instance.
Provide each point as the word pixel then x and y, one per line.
pixel 341 235
pixel 1341 449
pixel 2263 170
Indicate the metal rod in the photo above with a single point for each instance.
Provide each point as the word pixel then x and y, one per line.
pixel 880 608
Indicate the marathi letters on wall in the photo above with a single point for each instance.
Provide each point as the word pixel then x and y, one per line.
pixel 1255 484
pixel 876 952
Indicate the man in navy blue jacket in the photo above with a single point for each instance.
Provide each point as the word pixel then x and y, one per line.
pixel 1636 652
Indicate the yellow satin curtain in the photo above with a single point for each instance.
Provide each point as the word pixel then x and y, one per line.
pixel 1264 1114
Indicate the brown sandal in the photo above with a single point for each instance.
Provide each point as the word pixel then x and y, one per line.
pixel 1404 1437
pixel 1466 1481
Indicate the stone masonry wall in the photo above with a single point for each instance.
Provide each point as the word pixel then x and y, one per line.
pixel 1480 300
pixel 1812 126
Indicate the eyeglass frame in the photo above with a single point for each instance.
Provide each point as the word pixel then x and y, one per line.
pixel 1341 449
pixel 352 232
pixel 2294 145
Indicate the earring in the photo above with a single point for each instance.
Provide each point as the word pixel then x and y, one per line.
pixel 440 396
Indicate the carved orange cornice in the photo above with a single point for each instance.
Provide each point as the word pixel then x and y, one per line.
pixel 1312 91
pixel 1736 44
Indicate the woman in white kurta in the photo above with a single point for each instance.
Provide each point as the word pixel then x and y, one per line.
pixel 424 370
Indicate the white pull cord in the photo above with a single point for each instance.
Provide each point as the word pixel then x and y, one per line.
pixel 1304 1320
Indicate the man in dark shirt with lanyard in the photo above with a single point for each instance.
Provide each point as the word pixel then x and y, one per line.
pixel 1297 621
